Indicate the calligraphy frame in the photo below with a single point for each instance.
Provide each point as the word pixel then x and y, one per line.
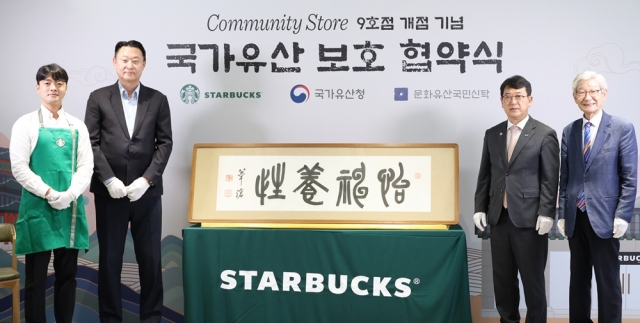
pixel 444 195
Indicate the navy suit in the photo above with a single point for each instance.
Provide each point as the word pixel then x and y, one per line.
pixel 609 183
pixel 117 154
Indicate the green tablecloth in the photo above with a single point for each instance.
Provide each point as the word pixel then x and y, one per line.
pixel 285 275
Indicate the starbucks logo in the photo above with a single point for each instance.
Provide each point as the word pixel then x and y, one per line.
pixel 190 94
pixel 60 142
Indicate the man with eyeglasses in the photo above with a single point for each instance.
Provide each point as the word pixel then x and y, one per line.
pixel 597 196
pixel 517 191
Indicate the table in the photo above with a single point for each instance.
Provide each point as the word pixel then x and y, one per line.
pixel 296 275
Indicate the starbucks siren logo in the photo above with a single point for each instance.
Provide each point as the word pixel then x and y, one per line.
pixel 190 94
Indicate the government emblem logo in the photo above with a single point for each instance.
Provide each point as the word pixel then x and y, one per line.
pixel 299 93
pixel 190 94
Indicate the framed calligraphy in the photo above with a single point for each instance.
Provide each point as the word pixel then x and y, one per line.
pixel 343 186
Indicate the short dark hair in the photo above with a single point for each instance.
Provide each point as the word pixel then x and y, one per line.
pixel 131 43
pixel 56 71
pixel 516 82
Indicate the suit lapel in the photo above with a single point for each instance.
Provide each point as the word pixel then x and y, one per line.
pixel 601 137
pixel 576 137
pixel 501 138
pixel 116 104
pixel 527 132
pixel 141 111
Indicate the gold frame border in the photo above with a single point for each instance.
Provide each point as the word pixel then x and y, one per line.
pixel 325 226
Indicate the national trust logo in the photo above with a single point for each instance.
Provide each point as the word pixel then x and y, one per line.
pixel 190 94
pixel 401 94
pixel 302 96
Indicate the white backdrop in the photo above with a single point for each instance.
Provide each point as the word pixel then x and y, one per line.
pixel 548 42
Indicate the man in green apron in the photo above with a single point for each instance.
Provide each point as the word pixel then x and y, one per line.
pixel 51 158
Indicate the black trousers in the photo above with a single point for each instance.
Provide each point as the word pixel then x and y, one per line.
pixel 588 251
pixel 65 264
pixel 516 250
pixel 113 217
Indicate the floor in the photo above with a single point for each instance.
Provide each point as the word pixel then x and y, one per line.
pixel 476 310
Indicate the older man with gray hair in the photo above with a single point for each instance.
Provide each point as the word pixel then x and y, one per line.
pixel 598 172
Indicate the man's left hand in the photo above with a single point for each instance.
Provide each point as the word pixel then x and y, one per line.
pixel 62 202
pixel 561 228
pixel 136 189
pixel 544 224
pixel 619 227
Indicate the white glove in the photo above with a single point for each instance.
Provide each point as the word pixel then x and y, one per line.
pixel 62 202
pixel 544 224
pixel 480 219
pixel 137 189
pixel 117 189
pixel 561 228
pixel 619 227
pixel 53 195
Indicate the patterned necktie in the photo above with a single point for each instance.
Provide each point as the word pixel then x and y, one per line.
pixel 586 151
pixel 512 144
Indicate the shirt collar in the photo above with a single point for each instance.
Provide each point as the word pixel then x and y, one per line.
pixel 595 121
pixel 125 96
pixel 519 124
pixel 48 115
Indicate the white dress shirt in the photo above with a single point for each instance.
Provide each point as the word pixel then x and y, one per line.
pixel 130 106
pixel 24 137
pixel 520 126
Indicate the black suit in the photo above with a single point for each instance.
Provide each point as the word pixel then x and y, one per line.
pixel 530 179
pixel 116 154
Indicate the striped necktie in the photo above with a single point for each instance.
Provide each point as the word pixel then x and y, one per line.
pixel 586 151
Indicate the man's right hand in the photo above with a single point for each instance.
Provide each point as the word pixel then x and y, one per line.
pixel 117 189
pixel 480 219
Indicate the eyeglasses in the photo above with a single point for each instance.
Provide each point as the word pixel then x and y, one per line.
pixel 507 98
pixel 592 93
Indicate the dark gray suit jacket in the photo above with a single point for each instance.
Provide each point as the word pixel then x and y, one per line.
pixel 146 153
pixel 609 178
pixel 531 178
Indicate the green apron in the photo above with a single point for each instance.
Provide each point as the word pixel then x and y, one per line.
pixel 41 227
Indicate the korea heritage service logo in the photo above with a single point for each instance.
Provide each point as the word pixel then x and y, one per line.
pixel 299 93
pixel 190 94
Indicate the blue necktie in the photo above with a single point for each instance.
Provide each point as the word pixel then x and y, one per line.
pixel 586 151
